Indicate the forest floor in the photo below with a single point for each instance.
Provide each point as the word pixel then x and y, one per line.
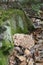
pixel 21 55
pixel 29 54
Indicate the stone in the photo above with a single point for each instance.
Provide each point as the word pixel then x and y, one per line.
pixel 23 63
pixel 24 40
pixel 40 41
pixel 21 58
pixel 31 62
pixel 19 50
pixel 27 52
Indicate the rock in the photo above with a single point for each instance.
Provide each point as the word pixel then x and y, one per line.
pixel 26 41
pixel 19 50
pixel 21 58
pixel 23 63
pixel 31 62
pixel 40 41
pixel 36 25
pixel 27 52
pixel 39 36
